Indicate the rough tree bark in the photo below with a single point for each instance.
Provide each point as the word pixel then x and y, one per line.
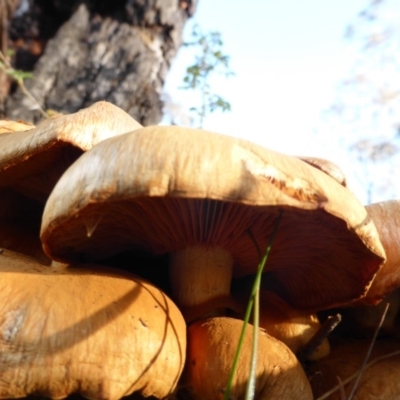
pixel 84 51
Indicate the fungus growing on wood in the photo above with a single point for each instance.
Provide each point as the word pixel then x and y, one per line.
pixel 32 161
pixel 91 330
pixel 212 346
pixel 211 202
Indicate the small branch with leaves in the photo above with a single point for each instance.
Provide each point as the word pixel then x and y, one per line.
pixel 18 76
pixel 211 61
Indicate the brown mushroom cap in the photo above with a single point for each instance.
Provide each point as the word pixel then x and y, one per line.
pixel 211 349
pixel 386 217
pixel 91 330
pixel 187 191
pixel 31 162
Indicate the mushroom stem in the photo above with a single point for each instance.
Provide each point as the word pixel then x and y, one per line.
pixel 200 278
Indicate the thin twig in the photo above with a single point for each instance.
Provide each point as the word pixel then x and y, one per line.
pixel 21 85
pixel 364 364
pixel 323 332
pixel 341 389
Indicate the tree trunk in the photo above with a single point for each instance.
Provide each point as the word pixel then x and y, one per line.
pixel 84 51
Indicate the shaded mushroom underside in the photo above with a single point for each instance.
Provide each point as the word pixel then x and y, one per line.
pixel 35 175
pixel 303 263
pixel 20 219
pixel 24 189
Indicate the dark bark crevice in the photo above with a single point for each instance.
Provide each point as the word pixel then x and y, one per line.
pixel 118 51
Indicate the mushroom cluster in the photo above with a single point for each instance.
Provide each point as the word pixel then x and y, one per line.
pixel 65 329
pixel 197 206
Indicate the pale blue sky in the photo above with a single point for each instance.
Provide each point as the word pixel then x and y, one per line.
pixel 288 57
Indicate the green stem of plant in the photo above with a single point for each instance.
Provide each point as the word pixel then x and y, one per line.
pixel 22 86
pixel 254 297
pixel 251 383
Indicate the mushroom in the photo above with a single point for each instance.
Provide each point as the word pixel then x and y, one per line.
pixel 211 201
pixel 379 381
pixel 386 217
pixel 294 328
pixel 212 346
pixel 31 162
pixel 91 330
pixel 362 316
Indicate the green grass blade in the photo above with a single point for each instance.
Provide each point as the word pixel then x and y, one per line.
pixel 254 297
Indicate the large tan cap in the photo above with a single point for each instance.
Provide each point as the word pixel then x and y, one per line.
pixel 213 200
pixel 90 330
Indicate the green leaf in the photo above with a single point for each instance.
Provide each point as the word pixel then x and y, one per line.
pixel 209 60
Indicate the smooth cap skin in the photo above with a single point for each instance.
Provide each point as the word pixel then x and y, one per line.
pixel 32 161
pixel 163 189
pixel 91 330
pixel 212 346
